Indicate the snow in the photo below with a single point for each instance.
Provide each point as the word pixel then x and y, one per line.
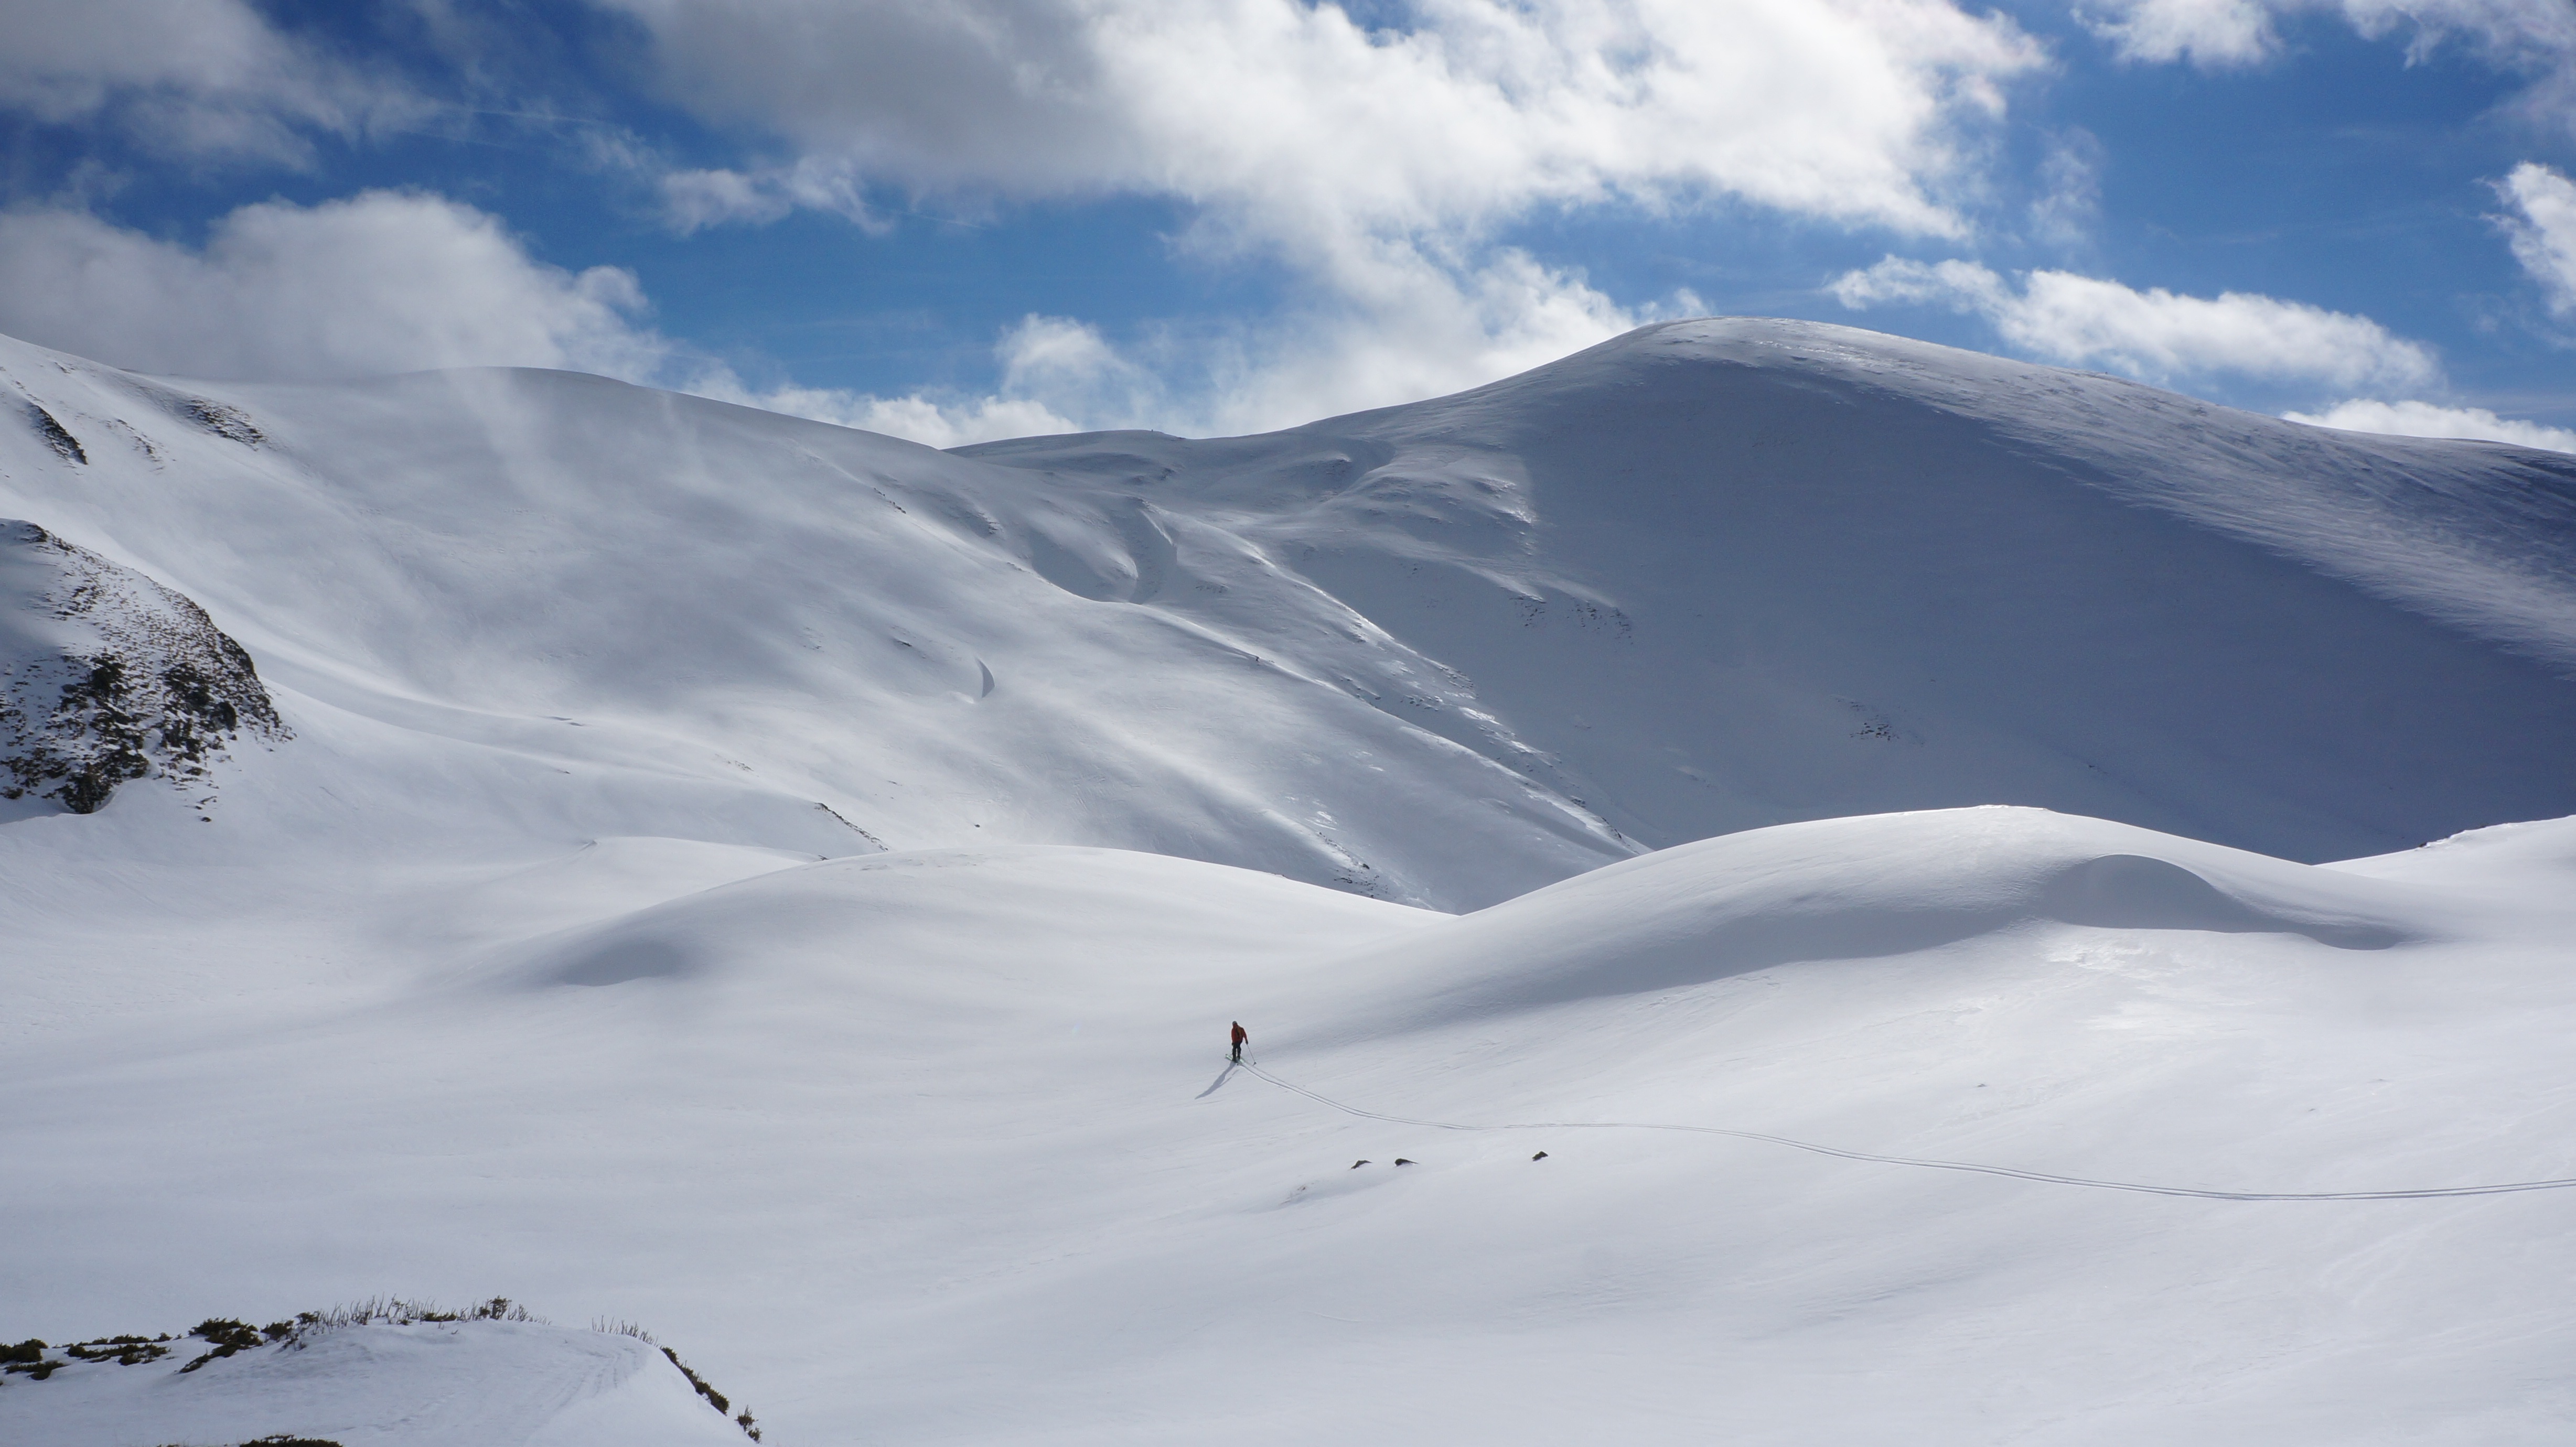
pixel 788 888
pixel 473 1381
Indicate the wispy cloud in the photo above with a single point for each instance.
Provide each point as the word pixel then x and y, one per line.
pixel 197 78
pixel 2212 34
pixel 2533 38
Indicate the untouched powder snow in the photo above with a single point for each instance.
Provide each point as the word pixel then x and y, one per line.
pixel 789 887
pixel 941 1146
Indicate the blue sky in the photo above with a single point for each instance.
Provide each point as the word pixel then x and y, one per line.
pixel 984 218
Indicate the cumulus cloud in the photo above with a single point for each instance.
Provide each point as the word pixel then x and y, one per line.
pixel 2155 334
pixel 390 282
pixel 1375 166
pixel 1296 119
pixel 395 282
pixel 2428 419
pixel 192 77
pixel 2543 230
pixel 380 282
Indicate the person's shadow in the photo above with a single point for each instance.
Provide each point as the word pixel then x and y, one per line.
pixel 1222 1077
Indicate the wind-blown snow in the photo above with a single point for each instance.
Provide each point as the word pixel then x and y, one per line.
pixel 789 887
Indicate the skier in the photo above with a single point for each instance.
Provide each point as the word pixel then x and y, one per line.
pixel 1239 1038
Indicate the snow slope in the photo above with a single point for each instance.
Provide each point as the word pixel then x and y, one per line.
pixel 480 1382
pixel 1737 572
pixel 940 1146
pixel 787 887
pixel 1708 576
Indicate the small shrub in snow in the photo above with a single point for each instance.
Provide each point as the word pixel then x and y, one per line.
pixel 125 1351
pixel 226 1336
pixel 28 1357
pixel 395 1311
pixel 608 1327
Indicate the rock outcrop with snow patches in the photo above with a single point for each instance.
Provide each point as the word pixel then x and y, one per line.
pixel 107 676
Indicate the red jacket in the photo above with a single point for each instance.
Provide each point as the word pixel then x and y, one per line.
pixel 1239 1036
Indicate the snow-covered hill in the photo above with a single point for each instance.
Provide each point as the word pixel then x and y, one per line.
pixel 941 1146
pixel 1709 576
pixel 1733 573
pixel 379 1384
pixel 788 887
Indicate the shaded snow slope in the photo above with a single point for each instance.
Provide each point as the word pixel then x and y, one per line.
pixel 940 1146
pixel 1733 573
pixel 485 1383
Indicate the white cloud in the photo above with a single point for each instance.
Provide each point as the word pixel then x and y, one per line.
pixel 2535 38
pixel 194 77
pixel 390 282
pixel 2068 196
pixel 2211 33
pixel 1375 166
pixel 2522 34
pixel 1296 121
pixel 935 421
pixel 2544 233
pixel 1047 363
pixel 2154 334
pixel 695 200
pixel 380 282
pixel 2427 419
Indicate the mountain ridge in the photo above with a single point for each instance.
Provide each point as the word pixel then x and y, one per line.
pixel 1704 577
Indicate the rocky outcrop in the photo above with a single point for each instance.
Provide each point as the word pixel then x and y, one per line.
pixel 107 676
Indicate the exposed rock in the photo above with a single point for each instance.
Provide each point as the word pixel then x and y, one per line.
pixel 222 420
pixel 106 676
pixel 57 436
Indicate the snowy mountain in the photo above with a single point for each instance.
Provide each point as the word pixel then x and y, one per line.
pixel 788 887
pixel 1727 574
pixel 1710 576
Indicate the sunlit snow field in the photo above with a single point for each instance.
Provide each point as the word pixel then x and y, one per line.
pixel 789 888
